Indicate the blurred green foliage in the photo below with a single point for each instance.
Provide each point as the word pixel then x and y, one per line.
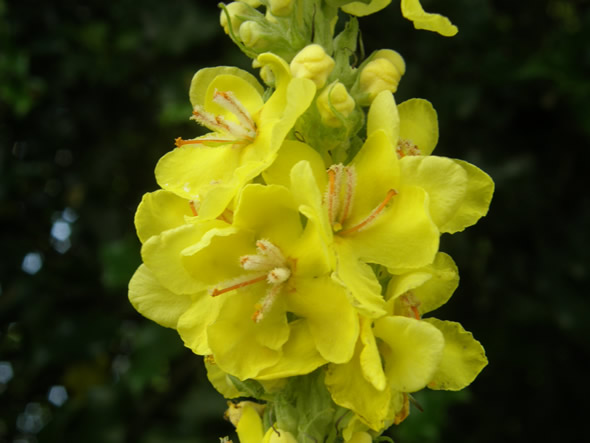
pixel 93 93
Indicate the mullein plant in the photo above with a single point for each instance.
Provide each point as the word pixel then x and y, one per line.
pixel 296 244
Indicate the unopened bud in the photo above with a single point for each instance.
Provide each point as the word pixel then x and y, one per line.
pixel 381 74
pixel 253 3
pixel 360 437
pixel 252 35
pixel 234 9
pixel 281 8
pixel 313 63
pixel 332 101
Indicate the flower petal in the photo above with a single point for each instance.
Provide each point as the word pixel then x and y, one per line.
pixel 413 352
pixel 412 10
pixel 332 321
pixel 403 237
pixel 270 213
pixel 360 281
pixel 163 255
pixel 154 301
pixel 361 9
pixel 443 180
pixel 234 337
pixel 203 78
pixel 299 357
pixel 291 153
pixel 377 172
pixel 192 325
pixel 384 115
pixel 432 285
pixel 463 357
pixel 221 381
pixel 475 204
pixel 159 211
pixel 419 124
pixel 351 390
pixel 249 427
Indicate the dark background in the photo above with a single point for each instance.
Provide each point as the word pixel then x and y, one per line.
pixel 92 93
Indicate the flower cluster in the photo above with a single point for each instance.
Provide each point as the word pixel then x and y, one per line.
pixel 296 245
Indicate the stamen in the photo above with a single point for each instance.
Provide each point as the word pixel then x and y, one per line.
pixel 278 276
pixel 208 141
pixel 349 193
pixel 256 262
pixel 191 203
pixel 229 102
pixel 407 147
pixel 215 292
pixel 264 305
pixel 372 216
pixel 266 248
pixel 332 193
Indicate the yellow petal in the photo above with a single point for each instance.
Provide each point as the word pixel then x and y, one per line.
pixel 192 172
pixel 370 360
pixel 291 153
pixel 192 325
pixel 383 115
pixel 351 390
pixel 163 255
pixel 419 124
pixel 234 337
pixel 159 211
pixel 221 381
pixel 154 301
pixel 475 204
pixel 215 257
pixel 245 92
pixel 299 356
pixel 412 353
pixel 203 78
pixel 360 281
pixel 462 360
pixel 361 9
pixel 377 172
pixel 431 285
pixel 270 213
pixel 402 237
pixel 249 427
pixel 412 10
pixel 333 322
pixel 443 180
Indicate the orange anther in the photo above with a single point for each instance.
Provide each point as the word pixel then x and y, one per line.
pixel 191 203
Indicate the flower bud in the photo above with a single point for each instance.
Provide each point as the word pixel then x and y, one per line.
pixel 281 8
pixel 253 36
pixel 234 10
pixel 360 437
pixel 313 63
pixel 382 73
pixel 334 99
pixel 253 3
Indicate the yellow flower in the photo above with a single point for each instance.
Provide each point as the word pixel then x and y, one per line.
pixel 369 211
pixel 256 294
pixel 413 352
pixel 418 135
pixel 247 133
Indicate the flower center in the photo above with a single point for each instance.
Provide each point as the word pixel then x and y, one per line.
pixel 268 264
pixel 407 305
pixel 406 147
pixel 338 200
pixel 225 132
